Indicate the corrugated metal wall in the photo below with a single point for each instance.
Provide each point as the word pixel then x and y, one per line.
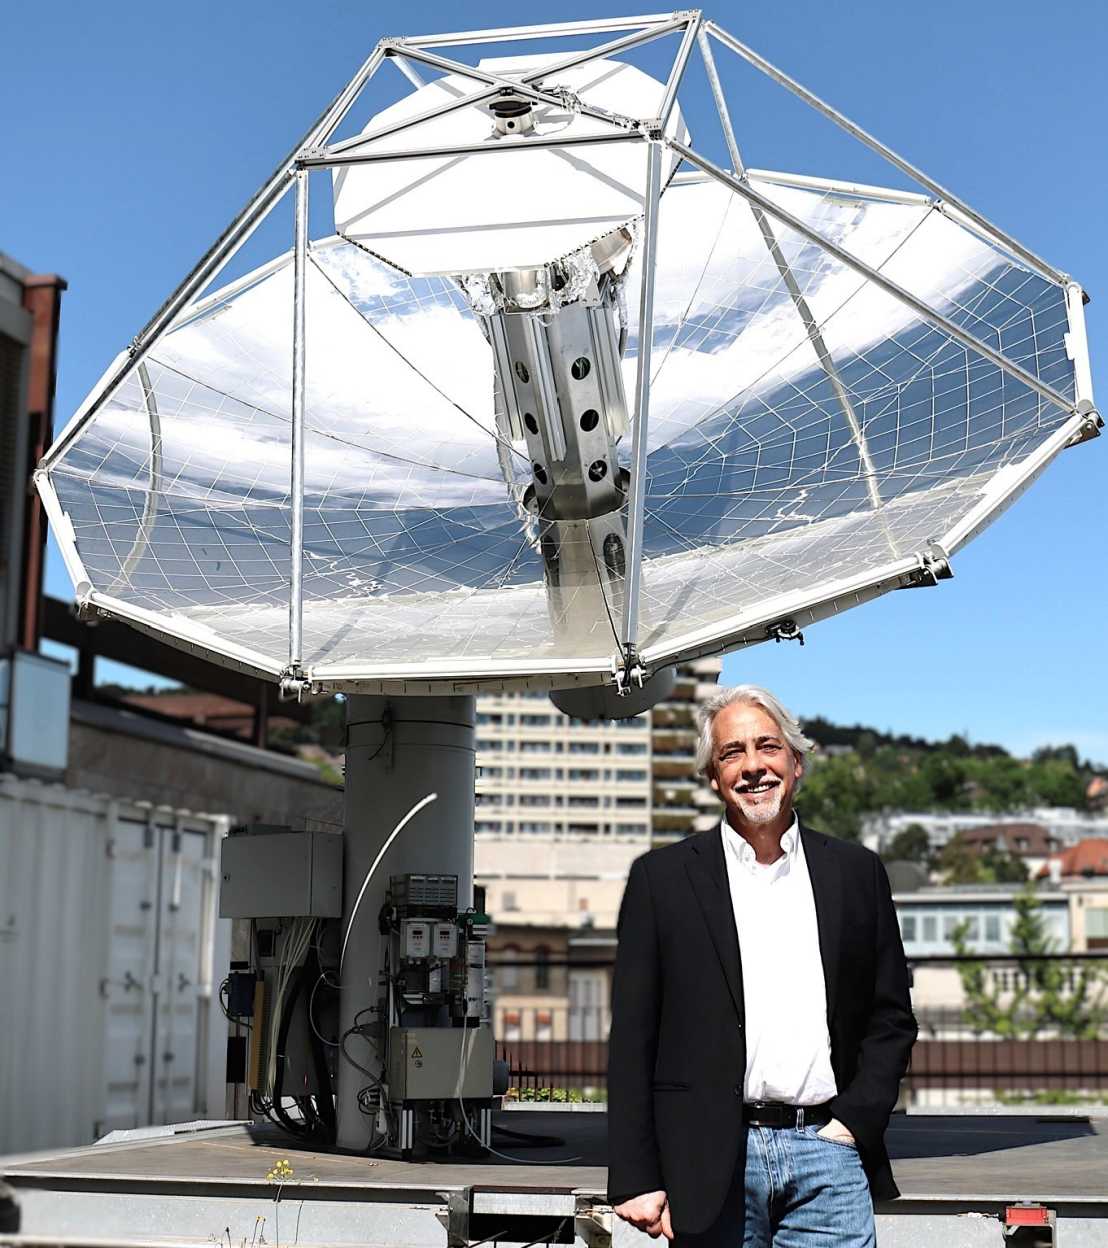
pixel 110 951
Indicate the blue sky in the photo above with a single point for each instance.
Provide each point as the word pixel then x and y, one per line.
pixel 141 129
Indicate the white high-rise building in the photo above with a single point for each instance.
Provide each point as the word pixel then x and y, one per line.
pixel 543 774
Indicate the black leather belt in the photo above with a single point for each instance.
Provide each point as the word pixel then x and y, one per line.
pixel 780 1114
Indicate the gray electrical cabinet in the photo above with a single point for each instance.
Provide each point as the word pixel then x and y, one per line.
pixel 281 874
pixel 424 1063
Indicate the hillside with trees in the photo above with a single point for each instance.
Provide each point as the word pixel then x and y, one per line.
pixel 859 771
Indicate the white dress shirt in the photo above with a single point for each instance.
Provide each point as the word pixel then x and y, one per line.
pixel 788 1047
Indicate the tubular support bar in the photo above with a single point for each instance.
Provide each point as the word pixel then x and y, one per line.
pixel 636 503
pixel 742 187
pixel 515 85
pixel 223 249
pixel 811 327
pixel 296 537
pixel 677 73
pixel 333 160
pixel 843 122
pixel 549 30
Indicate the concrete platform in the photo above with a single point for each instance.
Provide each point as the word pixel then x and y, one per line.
pixel 211 1185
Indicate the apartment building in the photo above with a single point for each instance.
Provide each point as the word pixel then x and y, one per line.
pixel 564 807
pixel 681 800
pixel 544 774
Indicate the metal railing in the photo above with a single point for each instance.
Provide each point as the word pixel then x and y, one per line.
pixel 558 1050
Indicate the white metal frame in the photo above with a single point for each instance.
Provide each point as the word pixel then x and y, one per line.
pixel 316 151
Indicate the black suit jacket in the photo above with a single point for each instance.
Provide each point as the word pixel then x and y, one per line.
pixel 677 1050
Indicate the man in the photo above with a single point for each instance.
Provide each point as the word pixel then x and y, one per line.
pixel 761 1021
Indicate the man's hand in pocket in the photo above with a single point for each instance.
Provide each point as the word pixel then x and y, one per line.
pixel 834 1130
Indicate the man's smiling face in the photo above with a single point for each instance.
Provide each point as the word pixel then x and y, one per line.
pixel 753 769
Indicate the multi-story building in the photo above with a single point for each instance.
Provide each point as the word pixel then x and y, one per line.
pixel 548 775
pixel 544 774
pixel 564 807
pixel 682 800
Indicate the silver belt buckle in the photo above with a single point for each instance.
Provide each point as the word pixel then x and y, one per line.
pixel 800 1117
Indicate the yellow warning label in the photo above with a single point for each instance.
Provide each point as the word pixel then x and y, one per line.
pixel 416 1052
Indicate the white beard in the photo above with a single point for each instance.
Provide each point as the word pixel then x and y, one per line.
pixel 765 811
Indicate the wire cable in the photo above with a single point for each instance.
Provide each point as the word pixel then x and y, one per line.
pixel 423 801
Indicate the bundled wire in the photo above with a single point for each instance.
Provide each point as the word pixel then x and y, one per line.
pixel 294 944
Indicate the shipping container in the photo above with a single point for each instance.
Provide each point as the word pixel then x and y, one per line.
pixel 111 956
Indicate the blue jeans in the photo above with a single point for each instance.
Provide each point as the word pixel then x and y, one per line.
pixel 805 1191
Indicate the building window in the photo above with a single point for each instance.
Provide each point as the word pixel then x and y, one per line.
pixel 1096 927
pixel 542 969
pixel 930 929
pixel 507 977
pixel 992 928
pixel 908 928
pixel 508 900
pixel 544 1025
pixel 583 773
pixel 584 747
pixel 631 747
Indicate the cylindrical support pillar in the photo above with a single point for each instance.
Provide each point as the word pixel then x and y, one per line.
pixel 400 751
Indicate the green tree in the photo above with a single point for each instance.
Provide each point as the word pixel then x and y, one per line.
pixel 945 777
pixel 834 795
pixel 1049 995
pixel 1002 868
pixel 959 863
pixel 1057 782
pixel 911 844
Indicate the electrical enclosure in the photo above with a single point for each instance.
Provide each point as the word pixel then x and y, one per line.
pixel 281 874
pixel 424 1063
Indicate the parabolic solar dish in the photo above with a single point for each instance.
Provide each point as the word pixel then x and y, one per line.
pixel 509 477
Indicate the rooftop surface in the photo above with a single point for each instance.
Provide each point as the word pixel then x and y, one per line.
pixel 966 1157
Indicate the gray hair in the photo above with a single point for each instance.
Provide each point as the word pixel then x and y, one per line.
pixel 755 695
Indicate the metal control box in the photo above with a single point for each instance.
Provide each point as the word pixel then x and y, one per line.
pixel 269 875
pixel 424 1063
